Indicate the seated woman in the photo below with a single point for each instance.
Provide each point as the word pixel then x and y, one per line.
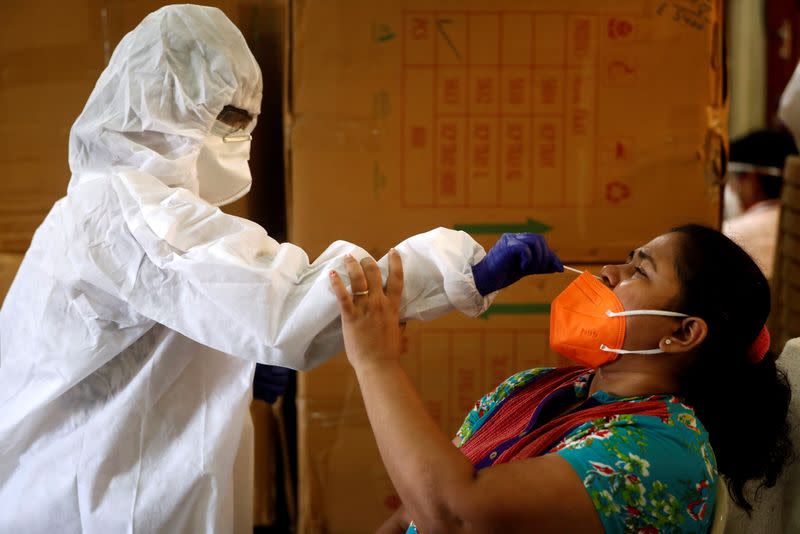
pixel 675 384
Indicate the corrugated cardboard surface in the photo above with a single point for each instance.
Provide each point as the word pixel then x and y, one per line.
pixel 51 54
pixel 9 263
pixel 596 121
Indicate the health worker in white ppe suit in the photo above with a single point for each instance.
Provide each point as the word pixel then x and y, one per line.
pixel 130 334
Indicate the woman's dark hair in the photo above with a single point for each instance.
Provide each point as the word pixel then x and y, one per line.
pixel 743 405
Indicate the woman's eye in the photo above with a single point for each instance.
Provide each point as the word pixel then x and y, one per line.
pixel 639 270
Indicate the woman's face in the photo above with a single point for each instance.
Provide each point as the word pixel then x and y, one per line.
pixel 647 281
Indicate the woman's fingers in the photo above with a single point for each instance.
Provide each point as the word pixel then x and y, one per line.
pixel 394 284
pixel 369 321
pixel 373 275
pixel 346 306
pixel 358 282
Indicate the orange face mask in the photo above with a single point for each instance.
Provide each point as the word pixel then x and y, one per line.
pixel 587 323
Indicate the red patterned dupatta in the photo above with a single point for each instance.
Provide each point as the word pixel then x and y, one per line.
pixel 513 415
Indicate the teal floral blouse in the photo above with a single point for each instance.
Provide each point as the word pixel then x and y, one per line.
pixel 644 474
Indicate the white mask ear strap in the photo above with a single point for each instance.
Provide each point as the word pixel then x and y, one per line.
pixel 236 138
pixel 623 351
pixel 645 312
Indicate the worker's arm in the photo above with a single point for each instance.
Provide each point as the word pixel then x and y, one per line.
pixel 223 282
pixel 438 485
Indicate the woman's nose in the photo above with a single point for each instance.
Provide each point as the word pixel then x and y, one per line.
pixel 611 275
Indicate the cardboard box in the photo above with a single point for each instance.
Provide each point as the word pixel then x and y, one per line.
pixel 597 122
pixel 9 263
pixel 594 120
pixel 343 486
pixel 52 53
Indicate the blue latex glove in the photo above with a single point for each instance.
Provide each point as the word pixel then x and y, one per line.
pixel 269 382
pixel 511 258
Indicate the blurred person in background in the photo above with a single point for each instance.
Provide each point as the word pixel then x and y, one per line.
pixel 753 191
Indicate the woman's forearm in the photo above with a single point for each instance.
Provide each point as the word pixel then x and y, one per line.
pixel 437 484
pixel 427 471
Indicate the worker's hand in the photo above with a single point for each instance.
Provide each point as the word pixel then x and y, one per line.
pixel 370 322
pixel 511 258
pixel 270 382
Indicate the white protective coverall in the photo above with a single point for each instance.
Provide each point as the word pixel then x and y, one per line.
pixel 129 337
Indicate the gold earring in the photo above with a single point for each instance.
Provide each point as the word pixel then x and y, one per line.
pixel 668 341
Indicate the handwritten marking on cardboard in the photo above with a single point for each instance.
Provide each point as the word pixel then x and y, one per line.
pixel 441 27
pixel 621 73
pixel 617 191
pixel 693 13
pixel 619 28
pixel 448 154
pixel 382 33
pixel 419 28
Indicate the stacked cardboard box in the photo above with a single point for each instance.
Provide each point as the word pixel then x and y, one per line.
pixel 9 263
pixel 597 122
pixel 52 54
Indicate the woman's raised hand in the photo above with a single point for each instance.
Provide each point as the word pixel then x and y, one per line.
pixel 370 318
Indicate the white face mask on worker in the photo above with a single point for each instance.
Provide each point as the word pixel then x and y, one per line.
pixel 223 172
